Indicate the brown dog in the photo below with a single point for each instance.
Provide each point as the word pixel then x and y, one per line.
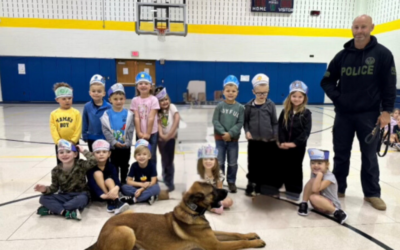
pixel 185 228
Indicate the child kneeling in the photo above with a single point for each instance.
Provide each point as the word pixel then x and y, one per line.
pixel 322 189
pixel 68 193
pixel 103 180
pixel 209 171
pixel 142 177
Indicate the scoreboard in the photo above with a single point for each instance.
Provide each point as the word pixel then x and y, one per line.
pixel 275 6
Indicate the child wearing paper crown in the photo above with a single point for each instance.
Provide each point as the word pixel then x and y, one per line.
pixel 228 121
pixel 142 183
pixel 103 180
pixel 209 171
pixel 261 127
pixel 168 122
pixel 118 126
pixel 294 131
pixel 68 193
pixel 322 189
pixel 65 122
pixel 145 107
pixel 94 110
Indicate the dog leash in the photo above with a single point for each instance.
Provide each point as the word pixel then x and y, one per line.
pixel 378 133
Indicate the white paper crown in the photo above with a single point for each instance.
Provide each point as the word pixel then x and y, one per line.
pixel 207 152
pixel 317 154
pixel 162 94
pixel 63 92
pixel 298 86
pixel 260 79
pixel 66 145
pixel 100 145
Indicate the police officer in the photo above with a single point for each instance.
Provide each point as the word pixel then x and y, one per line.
pixel 361 82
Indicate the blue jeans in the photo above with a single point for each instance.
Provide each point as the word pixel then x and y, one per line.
pixel 56 203
pixel 145 196
pixel 230 149
pixel 167 151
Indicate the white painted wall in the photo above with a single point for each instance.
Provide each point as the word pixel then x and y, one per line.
pixel 392 41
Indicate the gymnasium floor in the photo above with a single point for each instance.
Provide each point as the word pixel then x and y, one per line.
pixel 27 157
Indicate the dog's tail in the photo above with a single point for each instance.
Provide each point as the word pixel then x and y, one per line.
pixel 92 247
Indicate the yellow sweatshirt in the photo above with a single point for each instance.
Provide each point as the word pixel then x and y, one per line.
pixel 66 124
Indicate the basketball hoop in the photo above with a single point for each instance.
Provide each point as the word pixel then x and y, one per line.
pixel 161 33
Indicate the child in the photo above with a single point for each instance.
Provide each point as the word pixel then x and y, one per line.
pixel 103 179
pixel 94 110
pixel 209 171
pixel 294 130
pixel 117 125
pixel 261 127
pixel 145 107
pixel 395 137
pixel 65 122
pixel 68 193
pixel 168 122
pixel 322 189
pixel 228 121
pixel 142 178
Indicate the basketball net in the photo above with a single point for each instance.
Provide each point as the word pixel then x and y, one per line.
pixel 161 33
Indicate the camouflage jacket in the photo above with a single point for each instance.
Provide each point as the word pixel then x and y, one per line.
pixel 74 180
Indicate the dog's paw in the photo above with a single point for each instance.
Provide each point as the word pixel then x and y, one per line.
pixel 259 243
pixel 252 236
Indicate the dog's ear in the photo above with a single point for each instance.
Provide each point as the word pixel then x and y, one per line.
pixel 197 197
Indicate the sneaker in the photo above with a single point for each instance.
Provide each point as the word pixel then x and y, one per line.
pixel 44 211
pixel 111 206
pixel 303 209
pixel 127 199
pixel 74 214
pixel 152 199
pixel 232 187
pixel 121 207
pixel 397 146
pixel 376 203
pixel 341 195
pixel 250 190
pixel 340 216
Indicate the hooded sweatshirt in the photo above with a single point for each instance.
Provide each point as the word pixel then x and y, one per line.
pixel 261 122
pixel 361 80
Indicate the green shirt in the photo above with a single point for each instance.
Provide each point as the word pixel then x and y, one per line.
pixel 228 118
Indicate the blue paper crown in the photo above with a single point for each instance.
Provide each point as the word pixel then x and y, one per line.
pixel 231 79
pixel 207 152
pixel 143 142
pixel 97 79
pixel 298 86
pixel 118 87
pixel 143 77
pixel 66 145
pixel 318 154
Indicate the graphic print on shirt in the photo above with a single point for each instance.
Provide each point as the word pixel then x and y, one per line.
pixel 142 108
pixel 164 119
pixel 230 112
pixel 119 135
pixel 64 122
pixel 143 178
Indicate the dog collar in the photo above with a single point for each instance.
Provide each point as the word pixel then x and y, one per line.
pixel 196 208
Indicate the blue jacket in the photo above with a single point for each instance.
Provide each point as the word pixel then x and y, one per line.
pixel 108 172
pixel 91 125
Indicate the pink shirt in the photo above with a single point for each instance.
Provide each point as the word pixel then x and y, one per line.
pixel 144 106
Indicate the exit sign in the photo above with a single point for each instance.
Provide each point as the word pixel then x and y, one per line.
pixel 135 53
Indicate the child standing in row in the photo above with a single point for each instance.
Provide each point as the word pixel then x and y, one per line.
pixel 168 122
pixel 94 110
pixel 228 121
pixel 261 127
pixel 68 193
pixel 209 171
pixel 145 107
pixel 118 126
pixel 103 179
pixel 65 122
pixel 322 189
pixel 142 183
pixel 294 131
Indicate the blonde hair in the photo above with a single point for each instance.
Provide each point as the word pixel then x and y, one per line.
pixel 201 170
pixel 61 84
pixel 140 149
pixel 288 107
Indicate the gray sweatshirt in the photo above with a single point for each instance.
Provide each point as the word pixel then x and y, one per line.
pixel 261 122
pixel 108 132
